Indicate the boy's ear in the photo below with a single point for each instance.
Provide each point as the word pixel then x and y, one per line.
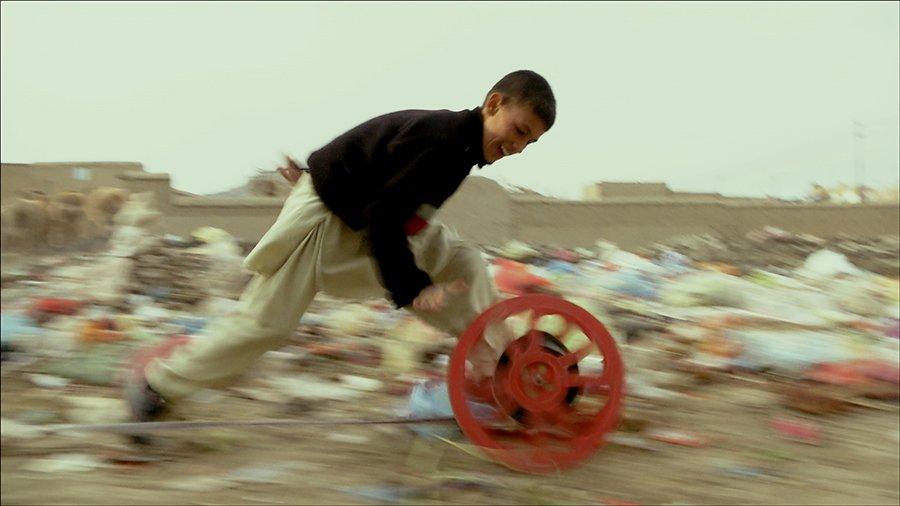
pixel 493 102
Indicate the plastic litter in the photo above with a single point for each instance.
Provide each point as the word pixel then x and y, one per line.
pixel 361 383
pixel 826 264
pixel 47 381
pixel 431 399
pixel 15 326
pixel 634 283
pixel 515 278
pixel 793 349
pixel 309 387
pixel 17 430
pixel 383 494
pixel 100 331
pixel 674 263
pixel 190 325
pixel 705 288
pixel 678 437
pixel 68 462
pixel 266 473
pixel 799 430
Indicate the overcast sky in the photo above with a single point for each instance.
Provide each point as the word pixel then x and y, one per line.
pixel 741 98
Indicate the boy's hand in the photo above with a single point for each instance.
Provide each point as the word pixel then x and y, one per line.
pixel 291 171
pixel 434 297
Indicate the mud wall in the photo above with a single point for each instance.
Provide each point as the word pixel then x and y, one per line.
pixel 55 177
pixel 484 212
pixel 638 223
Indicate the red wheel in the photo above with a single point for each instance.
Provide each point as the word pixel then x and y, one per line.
pixel 553 397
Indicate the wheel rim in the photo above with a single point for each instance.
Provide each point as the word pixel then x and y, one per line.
pixel 553 405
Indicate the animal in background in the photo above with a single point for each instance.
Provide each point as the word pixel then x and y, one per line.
pixel 24 221
pixel 101 207
pixel 67 221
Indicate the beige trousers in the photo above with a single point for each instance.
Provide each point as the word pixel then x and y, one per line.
pixel 307 250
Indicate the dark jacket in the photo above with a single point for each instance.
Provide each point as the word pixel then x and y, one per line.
pixel 377 175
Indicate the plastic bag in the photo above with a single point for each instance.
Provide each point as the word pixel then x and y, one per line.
pixel 614 257
pixel 431 399
pixel 17 326
pixel 634 283
pixel 826 264
pixel 708 289
pixel 674 263
pixel 516 278
pixel 792 350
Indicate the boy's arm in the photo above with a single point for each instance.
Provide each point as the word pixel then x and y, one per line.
pixel 396 203
pixel 424 299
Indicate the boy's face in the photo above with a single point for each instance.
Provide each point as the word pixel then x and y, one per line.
pixel 508 127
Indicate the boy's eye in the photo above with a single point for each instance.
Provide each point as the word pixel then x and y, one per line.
pixel 520 131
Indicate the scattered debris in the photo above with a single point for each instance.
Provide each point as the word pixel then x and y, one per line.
pixel 775 320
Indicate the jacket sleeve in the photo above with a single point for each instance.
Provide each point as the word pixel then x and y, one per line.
pixel 384 218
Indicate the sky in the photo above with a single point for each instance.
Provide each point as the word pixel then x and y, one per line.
pixel 746 99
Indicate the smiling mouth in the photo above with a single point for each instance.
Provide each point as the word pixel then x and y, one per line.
pixel 503 151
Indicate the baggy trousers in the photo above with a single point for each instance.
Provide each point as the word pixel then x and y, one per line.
pixel 309 250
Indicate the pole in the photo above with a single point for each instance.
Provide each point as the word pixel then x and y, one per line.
pixel 859 161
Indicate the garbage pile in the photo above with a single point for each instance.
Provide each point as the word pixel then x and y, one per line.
pixel 80 316
pixel 769 248
pixel 805 317
pixel 823 332
pixel 775 248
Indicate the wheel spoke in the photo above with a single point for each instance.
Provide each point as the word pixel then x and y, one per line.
pixel 533 341
pixel 479 390
pixel 570 359
pixel 535 317
pixel 589 382
pixel 505 402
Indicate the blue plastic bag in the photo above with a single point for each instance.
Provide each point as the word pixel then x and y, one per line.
pixel 431 399
pixel 15 326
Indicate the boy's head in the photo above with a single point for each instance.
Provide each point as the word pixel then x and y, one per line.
pixel 516 112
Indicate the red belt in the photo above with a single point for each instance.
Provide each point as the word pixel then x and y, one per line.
pixel 415 225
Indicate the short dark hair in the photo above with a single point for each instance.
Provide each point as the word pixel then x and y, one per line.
pixel 528 87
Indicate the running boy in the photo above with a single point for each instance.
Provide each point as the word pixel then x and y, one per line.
pixel 360 227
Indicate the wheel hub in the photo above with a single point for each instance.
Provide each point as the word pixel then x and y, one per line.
pixel 536 382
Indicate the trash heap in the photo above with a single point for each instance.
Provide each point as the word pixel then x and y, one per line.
pixel 822 333
pixel 168 275
pixel 81 316
pixel 810 321
pixel 772 247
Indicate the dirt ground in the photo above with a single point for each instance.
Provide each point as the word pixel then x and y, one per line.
pixel 745 462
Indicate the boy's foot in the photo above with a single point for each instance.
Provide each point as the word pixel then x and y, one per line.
pixel 144 403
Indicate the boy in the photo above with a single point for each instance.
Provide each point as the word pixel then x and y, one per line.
pixel 358 227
